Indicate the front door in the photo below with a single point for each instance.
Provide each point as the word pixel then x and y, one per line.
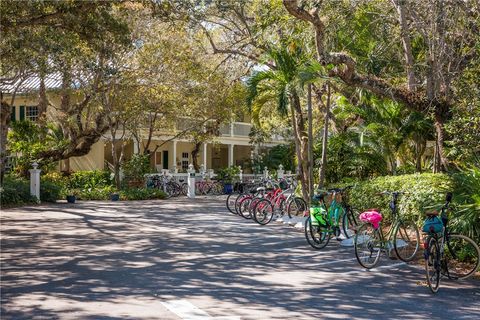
pixel 165 159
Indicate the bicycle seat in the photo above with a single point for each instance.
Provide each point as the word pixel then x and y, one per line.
pixel 318 197
pixel 432 213
pixel 260 189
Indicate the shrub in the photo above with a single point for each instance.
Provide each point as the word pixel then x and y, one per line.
pixel 141 194
pixel 424 191
pixel 15 191
pixel 50 191
pixel 466 198
pixel 100 193
pixel 90 179
pixel 137 166
pixel 228 175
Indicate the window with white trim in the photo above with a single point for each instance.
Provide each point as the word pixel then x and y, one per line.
pixel 185 161
pixel 31 113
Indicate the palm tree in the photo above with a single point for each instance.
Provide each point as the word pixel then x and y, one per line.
pixel 282 86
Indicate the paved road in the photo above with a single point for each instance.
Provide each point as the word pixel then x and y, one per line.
pixel 180 259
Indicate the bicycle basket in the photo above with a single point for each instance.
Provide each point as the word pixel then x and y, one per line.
pixel 372 216
pixel 317 216
pixel 432 225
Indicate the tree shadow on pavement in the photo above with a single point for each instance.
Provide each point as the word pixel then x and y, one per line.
pixel 65 261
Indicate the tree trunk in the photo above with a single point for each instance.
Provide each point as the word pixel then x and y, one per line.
pixel 323 166
pixel 407 45
pixel 419 150
pixel 310 141
pixel 5 112
pixel 301 139
pixel 195 151
pixel 441 163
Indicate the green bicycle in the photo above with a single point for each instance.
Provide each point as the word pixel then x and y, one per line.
pixel 403 236
pixel 325 222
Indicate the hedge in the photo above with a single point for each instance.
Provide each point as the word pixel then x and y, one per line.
pixel 423 192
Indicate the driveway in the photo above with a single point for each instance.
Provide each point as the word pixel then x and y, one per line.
pixel 190 259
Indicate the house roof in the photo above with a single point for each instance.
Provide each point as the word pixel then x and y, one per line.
pixel 32 84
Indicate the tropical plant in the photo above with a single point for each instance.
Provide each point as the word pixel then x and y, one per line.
pixel 281 84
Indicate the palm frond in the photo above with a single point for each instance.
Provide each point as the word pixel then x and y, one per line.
pixel 254 81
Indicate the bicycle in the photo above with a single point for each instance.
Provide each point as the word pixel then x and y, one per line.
pixel 448 254
pixel 325 221
pixel 275 203
pixel 370 239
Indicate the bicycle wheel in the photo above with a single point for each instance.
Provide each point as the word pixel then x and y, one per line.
pixel 462 257
pixel 218 189
pixel 406 240
pixel 230 202
pixel 367 246
pixel 238 201
pixel 432 264
pixel 350 222
pixel 296 207
pixel 198 188
pixel 280 208
pixel 184 188
pixel 263 211
pixel 243 208
pixel 316 235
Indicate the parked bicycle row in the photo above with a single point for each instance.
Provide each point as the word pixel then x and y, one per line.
pixel 174 188
pixel 330 215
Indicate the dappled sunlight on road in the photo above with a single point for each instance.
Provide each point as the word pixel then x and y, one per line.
pixel 118 260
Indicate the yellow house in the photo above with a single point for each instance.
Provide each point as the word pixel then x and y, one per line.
pixel 232 147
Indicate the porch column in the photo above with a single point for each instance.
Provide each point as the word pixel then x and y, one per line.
pixel 205 156
pixel 230 154
pixel 174 155
pixel 136 147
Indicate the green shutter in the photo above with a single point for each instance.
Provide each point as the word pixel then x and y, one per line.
pixel 12 115
pixel 22 113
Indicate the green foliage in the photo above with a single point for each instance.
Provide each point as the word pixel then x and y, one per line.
pixel 50 191
pixel 424 191
pixel 466 218
pixel 347 158
pixel 28 140
pixel 278 155
pixel 141 194
pixel 15 191
pixel 90 179
pixel 137 166
pixel 97 193
pixel 227 175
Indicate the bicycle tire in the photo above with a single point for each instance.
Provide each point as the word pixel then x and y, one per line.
pixel 185 188
pixel 311 233
pixel 367 246
pixel 349 222
pixel 230 203
pixel 238 201
pixel 263 211
pixel 432 264
pixel 406 240
pixel 296 207
pixel 281 208
pixel 462 257
pixel 244 208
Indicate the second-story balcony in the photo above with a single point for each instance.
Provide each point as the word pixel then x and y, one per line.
pixel 235 129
